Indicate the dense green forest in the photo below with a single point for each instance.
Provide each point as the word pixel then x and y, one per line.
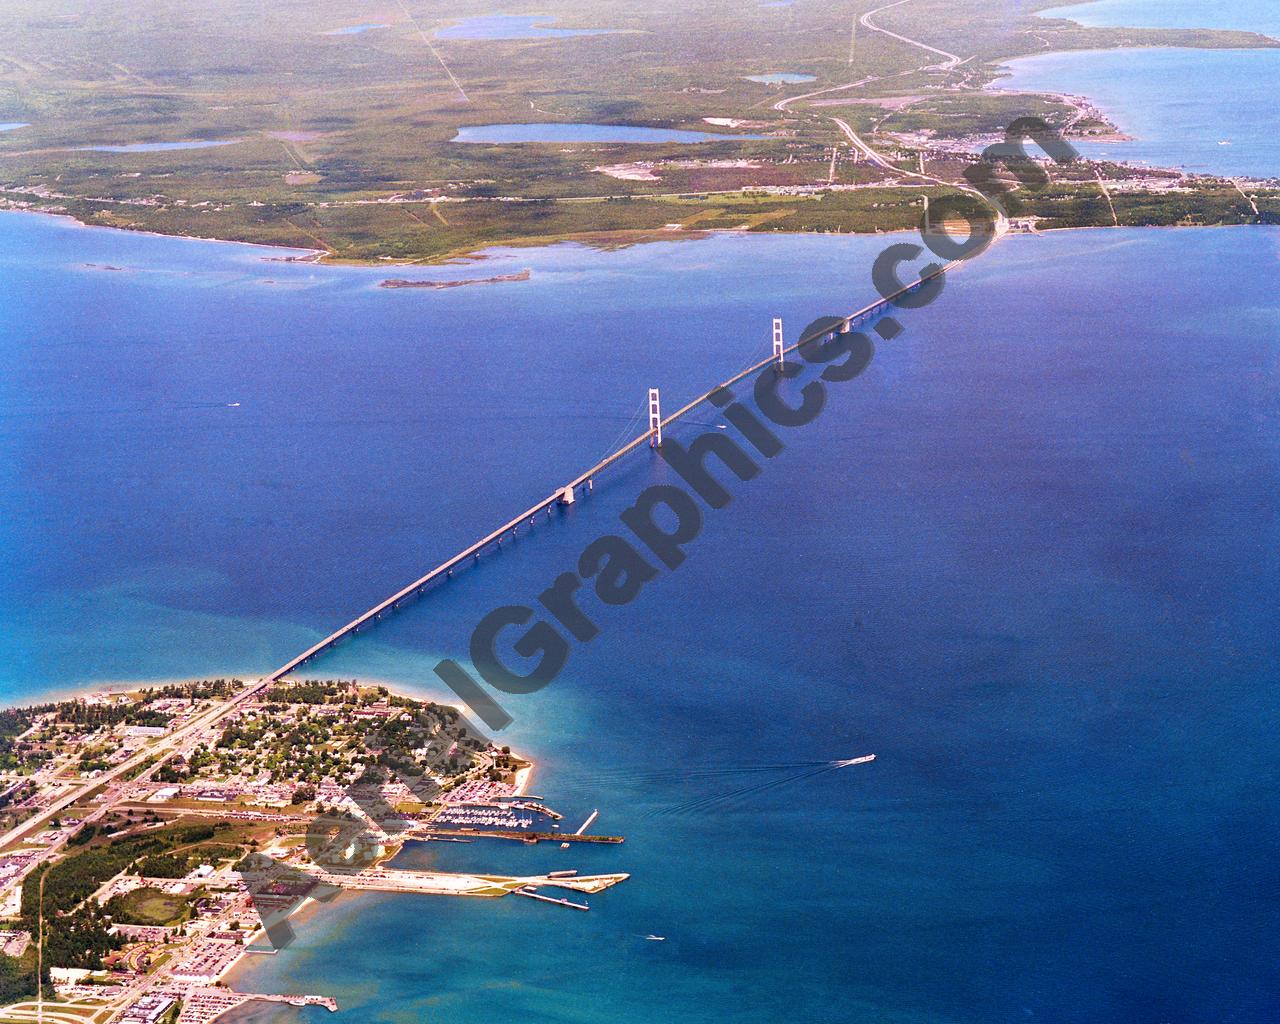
pixel 78 937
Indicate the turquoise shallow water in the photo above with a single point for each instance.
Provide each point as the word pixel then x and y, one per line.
pixel 1029 559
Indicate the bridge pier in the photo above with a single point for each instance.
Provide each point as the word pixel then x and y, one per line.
pixel 490 712
pixel 778 346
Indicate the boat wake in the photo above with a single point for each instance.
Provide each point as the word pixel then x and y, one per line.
pixel 794 773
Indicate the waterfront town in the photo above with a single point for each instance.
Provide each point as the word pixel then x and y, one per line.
pixel 156 837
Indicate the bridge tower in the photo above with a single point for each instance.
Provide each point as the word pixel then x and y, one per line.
pixel 777 342
pixel 655 419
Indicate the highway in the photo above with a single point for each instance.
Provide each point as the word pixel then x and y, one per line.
pixel 171 743
pixel 585 478
pixel 949 62
pixel 163 749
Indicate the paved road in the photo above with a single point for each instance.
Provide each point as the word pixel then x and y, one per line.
pixel 949 61
pixel 167 746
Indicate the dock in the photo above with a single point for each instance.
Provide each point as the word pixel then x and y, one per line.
pixel 524 837
pixel 551 899
pixel 204 1004
pixel 441 883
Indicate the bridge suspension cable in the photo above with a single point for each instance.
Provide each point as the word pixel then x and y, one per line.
pixel 565 494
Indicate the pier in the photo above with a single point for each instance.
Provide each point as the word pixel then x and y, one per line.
pixel 204 1004
pixel 525 837
pixel 565 493
pixel 551 899
pixel 440 883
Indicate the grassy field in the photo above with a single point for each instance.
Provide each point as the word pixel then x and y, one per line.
pixel 323 130
pixel 149 907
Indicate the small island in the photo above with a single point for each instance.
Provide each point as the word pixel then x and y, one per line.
pixel 399 282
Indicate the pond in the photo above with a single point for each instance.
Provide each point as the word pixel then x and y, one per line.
pixel 782 78
pixel 159 147
pixel 505 133
pixel 353 30
pixel 512 26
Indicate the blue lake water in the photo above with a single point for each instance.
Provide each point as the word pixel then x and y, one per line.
pixel 513 133
pixel 160 147
pixel 1029 559
pixel 782 78
pixel 512 26
pixel 9 126
pixel 354 30
pixel 1209 111
pixel 1246 15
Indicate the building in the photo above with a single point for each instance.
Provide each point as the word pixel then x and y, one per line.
pixel 148 1009
pixel 144 932
pixel 14 943
pixel 145 730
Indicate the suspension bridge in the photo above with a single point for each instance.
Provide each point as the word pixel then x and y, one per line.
pixel 567 493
